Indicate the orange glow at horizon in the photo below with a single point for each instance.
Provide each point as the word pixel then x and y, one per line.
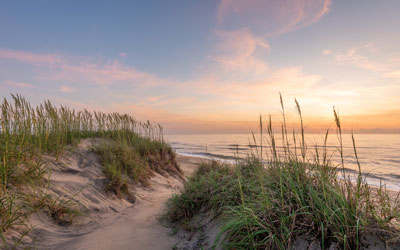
pixel 219 69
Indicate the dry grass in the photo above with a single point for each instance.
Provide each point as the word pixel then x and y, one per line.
pixel 269 204
pixel 133 150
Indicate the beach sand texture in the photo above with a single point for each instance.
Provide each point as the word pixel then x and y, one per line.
pixel 110 222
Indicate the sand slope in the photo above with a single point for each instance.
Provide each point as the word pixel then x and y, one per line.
pixel 110 223
pixel 113 223
pixel 133 228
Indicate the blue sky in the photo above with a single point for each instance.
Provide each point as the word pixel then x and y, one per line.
pixel 157 35
pixel 208 66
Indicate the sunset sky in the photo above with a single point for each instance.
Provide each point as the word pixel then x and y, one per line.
pixel 208 66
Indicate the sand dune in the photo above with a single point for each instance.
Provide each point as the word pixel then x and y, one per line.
pixel 110 222
pixel 135 227
pixel 113 223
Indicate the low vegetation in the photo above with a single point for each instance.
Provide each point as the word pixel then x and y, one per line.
pixel 275 203
pixel 134 160
pixel 129 150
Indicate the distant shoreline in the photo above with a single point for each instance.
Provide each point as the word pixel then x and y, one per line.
pixel 231 160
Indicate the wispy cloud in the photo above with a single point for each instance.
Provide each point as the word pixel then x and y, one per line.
pixel 66 89
pixel 212 99
pixel 369 58
pixel 59 67
pixel 236 52
pixel 30 57
pixel 244 28
pixel 327 52
pixel 102 73
pixel 19 84
pixel 292 81
pixel 270 17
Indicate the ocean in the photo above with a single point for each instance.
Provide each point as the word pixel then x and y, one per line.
pixel 379 154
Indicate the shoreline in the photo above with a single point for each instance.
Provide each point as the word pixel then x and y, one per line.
pixel 214 193
pixel 348 170
pixel 119 223
pixel 377 154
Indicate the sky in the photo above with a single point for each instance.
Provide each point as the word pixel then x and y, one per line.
pixel 209 66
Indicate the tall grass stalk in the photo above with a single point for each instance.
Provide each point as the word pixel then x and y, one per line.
pixel 270 205
pixel 339 135
pixel 27 132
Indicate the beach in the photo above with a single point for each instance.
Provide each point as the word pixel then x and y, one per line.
pixel 109 222
pixel 91 180
pixel 378 153
pixel 113 223
pixel 200 125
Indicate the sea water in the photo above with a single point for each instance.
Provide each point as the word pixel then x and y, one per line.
pixel 379 154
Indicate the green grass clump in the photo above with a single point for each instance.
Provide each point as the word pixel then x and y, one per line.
pixel 270 204
pixel 10 212
pixel 26 133
pixel 134 159
pixel 129 150
pixel 210 188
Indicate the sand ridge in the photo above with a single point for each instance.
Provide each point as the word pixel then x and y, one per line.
pixel 114 223
pixel 109 222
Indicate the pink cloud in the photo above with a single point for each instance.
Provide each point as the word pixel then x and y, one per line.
pixel 242 41
pixel 153 98
pixel 361 61
pixel 19 84
pixel 59 67
pixel 123 54
pixel 30 57
pixel 291 80
pixel 369 58
pixel 243 27
pixel 237 52
pixel 102 74
pixel 270 17
pixel 66 89
pixel 326 52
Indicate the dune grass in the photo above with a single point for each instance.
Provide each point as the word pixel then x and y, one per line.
pixel 270 204
pixel 130 151
pixel 26 133
pixel 134 160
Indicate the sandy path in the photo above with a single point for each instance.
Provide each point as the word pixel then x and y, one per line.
pixel 136 227
pixel 115 223
pixel 112 223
